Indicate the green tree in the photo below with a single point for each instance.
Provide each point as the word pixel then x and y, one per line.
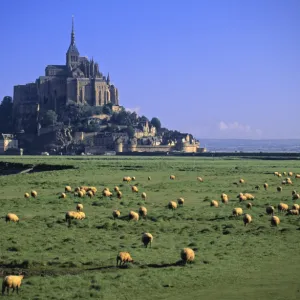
pixel 156 123
pixel 49 118
pixel 130 131
pixel 6 109
pixel 107 110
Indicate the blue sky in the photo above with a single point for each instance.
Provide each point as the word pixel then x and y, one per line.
pixel 217 69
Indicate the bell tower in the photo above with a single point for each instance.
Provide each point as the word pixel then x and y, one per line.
pixel 72 55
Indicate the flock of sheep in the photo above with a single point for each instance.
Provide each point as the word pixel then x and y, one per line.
pixel 270 210
pixel 187 254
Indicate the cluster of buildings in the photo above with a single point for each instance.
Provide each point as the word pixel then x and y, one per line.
pixel 80 80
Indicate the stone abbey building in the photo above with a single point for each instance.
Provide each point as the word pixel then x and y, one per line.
pixel 79 80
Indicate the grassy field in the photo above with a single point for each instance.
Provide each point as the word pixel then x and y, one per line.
pixel 232 261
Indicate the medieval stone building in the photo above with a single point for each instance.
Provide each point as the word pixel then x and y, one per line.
pixel 79 80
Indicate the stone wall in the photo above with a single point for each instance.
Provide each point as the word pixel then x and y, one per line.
pixel 147 148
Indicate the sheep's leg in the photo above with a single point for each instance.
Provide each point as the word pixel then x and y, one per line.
pixel 13 290
pixel 17 290
pixel 7 291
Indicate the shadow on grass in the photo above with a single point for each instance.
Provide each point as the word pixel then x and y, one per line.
pixel 6 269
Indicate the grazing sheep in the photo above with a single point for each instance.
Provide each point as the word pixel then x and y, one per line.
pixel 134 189
pixel 133 216
pixel 92 189
pixel 79 207
pixel 296 206
pixel 12 282
pixel 266 186
pixel 279 175
pixel 224 198
pixel 11 218
pixel 297 176
pixel 71 215
pixel 296 196
pixel 279 189
pixel 200 179
pixel 77 189
pixel 293 212
pixel 294 192
pixel 119 195
pixel 276 173
pixel 116 214
pixel 149 178
pixel 68 189
pixel 242 180
pixel 144 196
pixel 81 215
pixel 62 196
pixel 284 173
pixel 187 255
pixel 26 195
pixel 124 257
pixel 243 198
pixel 127 179
pixel 116 189
pixel 257 187
pixel 288 181
pixel 249 205
pixel 172 205
pixel 172 177
pixel 143 211
pixel 180 201
pixel 237 211
pixel 80 194
pixel 282 207
pixel 133 178
pixel 247 219
pixel 214 203
pixel 270 210
pixel 106 193
pixel 290 174
pixel 147 238
pixel 34 194
pixel 90 194
pixel 249 196
pixel 275 221
pixel 283 182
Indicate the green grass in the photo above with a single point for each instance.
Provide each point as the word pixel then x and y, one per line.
pixel 232 261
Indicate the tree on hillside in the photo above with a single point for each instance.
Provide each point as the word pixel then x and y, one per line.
pixel 156 123
pixel 107 109
pixel 49 118
pixel 130 131
pixel 6 109
pixel 143 119
pixel 64 138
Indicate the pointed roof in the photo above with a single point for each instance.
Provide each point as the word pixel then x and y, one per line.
pixel 72 48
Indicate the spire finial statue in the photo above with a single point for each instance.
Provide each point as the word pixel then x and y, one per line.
pixel 72 33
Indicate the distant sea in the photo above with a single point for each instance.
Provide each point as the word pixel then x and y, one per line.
pixel 246 145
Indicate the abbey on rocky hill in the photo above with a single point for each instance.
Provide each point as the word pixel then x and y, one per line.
pixel 78 80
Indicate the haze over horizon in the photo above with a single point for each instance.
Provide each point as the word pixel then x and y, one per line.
pixel 216 69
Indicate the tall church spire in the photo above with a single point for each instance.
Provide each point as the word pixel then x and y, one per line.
pixel 72 55
pixel 72 33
